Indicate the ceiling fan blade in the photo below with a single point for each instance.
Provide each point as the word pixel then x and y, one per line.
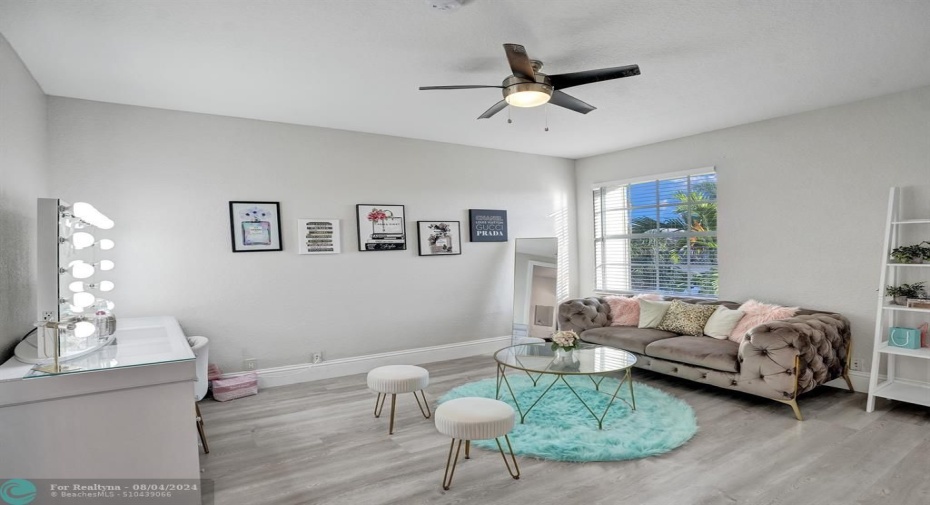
pixel 519 62
pixel 499 106
pixel 464 86
pixel 562 81
pixel 570 102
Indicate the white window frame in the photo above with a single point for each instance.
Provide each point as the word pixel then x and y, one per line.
pixel 602 237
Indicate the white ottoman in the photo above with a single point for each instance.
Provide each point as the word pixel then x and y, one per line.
pixel 395 379
pixel 475 419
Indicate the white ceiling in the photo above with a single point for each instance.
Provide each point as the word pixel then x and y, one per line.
pixel 356 64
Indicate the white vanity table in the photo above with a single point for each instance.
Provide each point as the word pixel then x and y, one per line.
pixel 127 413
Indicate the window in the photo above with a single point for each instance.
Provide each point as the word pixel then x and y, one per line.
pixel 658 235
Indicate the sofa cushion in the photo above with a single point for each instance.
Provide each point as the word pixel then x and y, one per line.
pixel 701 351
pixel 627 338
pixel 686 318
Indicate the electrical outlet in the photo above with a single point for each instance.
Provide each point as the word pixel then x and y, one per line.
pixel 48 315
pixel 316 357
pixel 249 364
pixel 856 365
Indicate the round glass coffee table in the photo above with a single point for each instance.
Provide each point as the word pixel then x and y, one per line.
pixel 538 360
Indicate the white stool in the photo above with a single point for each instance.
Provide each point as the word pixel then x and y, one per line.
pixel 394 379
pixel 475 419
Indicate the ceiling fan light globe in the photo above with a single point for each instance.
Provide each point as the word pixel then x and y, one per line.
pixel 528 98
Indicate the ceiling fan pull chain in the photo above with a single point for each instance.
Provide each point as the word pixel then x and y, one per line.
pixel 547 116
pixel 509 121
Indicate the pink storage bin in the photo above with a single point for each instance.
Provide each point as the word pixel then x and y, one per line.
pixel 235 387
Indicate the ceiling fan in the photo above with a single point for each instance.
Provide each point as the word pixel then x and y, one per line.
pixel 528 87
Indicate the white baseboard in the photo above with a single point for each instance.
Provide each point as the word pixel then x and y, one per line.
pixel 860 381
pixel 306 372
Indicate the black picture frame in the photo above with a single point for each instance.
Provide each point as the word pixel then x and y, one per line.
pixel 255 226
pixel 392 235
pixel 439 238
pixel 487 225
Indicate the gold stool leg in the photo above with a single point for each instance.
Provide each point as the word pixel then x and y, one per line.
pixel 447 476
pixel 393 403
pixel 381 397
pixel 512 457
pixel 200 431
pixel 467 449
pixel 425 413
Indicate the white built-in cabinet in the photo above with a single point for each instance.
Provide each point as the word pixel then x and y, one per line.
pixel 908 223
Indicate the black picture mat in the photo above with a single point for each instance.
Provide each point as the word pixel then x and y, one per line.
pixel 359 217
pixel 487 225
pixel 232 225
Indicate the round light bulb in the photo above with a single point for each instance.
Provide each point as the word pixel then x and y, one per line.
pixel 106 286
pixel 84 329
pixel 76 286
pixel 82 239
pixel 110 305
pixel 106 244
pixel 83 299
pixel 81 270
pixel 106 265
pixel 75 309
pixel 87 213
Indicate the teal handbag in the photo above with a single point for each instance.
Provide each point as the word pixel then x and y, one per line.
pixel 908 338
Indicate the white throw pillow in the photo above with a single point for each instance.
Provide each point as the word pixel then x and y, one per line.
pixel 722 322
pixel 651 313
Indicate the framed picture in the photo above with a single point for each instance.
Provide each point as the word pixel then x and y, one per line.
pixel 381 227
pixel 485 225
pixel 439 238
pixel 255 226
pixel 318 236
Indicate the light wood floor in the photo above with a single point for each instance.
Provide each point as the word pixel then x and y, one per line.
pixel 319 443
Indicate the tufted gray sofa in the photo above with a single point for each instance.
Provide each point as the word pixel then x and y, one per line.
pixel 777 360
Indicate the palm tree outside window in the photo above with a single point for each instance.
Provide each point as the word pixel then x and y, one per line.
pixel 657 235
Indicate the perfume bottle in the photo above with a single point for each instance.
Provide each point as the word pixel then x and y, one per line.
pixel 256 233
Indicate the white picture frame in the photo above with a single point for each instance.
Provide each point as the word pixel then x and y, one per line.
pixel 319 236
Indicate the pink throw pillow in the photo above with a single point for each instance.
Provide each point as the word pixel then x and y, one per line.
pixel 758 313
pixel 624 310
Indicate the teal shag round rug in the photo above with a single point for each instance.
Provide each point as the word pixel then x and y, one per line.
pixel 560 428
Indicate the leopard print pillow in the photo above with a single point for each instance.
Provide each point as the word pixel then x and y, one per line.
pixel 686 318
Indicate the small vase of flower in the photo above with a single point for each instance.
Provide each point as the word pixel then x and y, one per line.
pixel 564 344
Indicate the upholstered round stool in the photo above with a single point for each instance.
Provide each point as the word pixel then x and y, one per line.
pixel 475 419
pixel 395 379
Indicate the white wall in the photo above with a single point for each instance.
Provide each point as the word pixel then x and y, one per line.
pixel 23 178
pixel 166 178
pixel 802 201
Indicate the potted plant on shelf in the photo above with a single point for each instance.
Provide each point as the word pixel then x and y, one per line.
pixel 901 293
pixel 917 253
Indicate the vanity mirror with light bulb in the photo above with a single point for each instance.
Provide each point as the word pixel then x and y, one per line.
pixel 81 399
pixel 74 310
